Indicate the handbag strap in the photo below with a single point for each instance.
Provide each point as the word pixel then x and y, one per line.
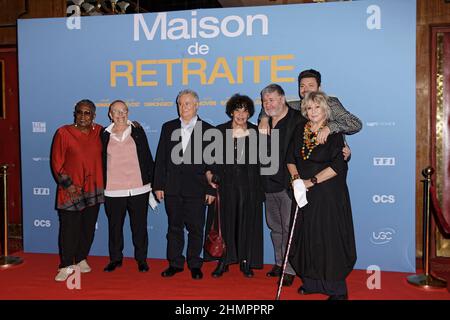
pixel 217 216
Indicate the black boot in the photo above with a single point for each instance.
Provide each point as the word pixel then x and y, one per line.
pixel 220 269
pixel 245 268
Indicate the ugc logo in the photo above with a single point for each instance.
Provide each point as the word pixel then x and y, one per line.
pixel 382 236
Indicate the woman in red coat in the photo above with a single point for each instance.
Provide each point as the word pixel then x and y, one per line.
pixel 76 162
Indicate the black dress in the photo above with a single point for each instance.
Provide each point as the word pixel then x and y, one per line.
pixel 242 199
pixel 323 250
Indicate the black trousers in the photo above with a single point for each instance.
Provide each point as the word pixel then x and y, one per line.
pixel 116 208
pixel 184 212
pixel 76 234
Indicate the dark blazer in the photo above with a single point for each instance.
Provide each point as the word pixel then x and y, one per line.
pixel 146 163
pixel 183 179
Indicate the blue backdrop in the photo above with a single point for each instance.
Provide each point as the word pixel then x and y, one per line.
pixel 365 51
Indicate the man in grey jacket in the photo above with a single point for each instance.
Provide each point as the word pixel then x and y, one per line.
pixel 341 120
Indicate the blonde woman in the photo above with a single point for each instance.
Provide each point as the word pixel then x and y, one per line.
pixel 323 251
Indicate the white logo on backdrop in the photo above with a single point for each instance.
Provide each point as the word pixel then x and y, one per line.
pixel 39 127
pixel 40 159
pixel 42 223
pixel 207 27
pixel 41 191
pixel 384 161
pixel 148 129
pixel 380 124
pixel 382 236
pixel 383 198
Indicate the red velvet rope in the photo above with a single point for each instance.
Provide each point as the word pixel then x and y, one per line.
pixel 442 223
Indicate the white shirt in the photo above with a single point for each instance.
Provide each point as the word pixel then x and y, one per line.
pixel 186 131
pixel 125 134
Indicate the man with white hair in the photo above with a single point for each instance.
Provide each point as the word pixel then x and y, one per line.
pixel 182 183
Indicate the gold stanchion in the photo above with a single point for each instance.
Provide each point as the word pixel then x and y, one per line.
pixel 5 260
pixel 426 280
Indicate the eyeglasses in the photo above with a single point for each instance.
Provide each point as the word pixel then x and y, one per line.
pixel 81 112
pixel 120 112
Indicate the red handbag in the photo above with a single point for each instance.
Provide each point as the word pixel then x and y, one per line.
pixel 214 243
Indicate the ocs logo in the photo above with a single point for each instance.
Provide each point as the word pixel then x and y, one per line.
pixel 383 198
pixel 382 236
pixel 42 223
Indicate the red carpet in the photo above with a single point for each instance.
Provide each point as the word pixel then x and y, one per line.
pixel 34 279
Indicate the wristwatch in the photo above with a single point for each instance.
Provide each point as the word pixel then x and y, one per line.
pixel 313 180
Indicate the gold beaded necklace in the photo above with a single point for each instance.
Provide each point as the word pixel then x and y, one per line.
pixel 309 140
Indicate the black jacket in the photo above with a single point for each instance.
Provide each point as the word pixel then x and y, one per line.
pixel 146 163
pixel 293 118
pixel 182 179
pixel 224 171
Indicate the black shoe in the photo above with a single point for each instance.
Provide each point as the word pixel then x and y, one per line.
pixel 245 268
pixel 288 279
pixel 170 271
pixel 338 297
pixel 112 266
pixel 275 272
pixel 303 291
pixel 143 266
pixel 196 273
pixel 220 269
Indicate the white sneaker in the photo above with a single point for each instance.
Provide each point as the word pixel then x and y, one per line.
pixel 64 273
pixel 84 267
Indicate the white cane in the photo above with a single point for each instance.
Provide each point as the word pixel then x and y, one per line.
pixel 286 255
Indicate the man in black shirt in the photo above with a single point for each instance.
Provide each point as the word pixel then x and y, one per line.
pixel 276 186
